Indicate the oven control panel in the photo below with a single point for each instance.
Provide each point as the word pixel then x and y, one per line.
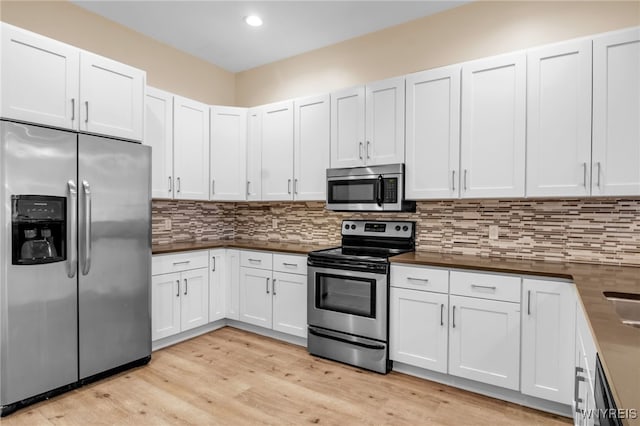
pixel 387 229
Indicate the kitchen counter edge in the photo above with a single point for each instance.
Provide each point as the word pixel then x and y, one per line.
pixel 289 247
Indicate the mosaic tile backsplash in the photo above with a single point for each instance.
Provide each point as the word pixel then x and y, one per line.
pixel 595 230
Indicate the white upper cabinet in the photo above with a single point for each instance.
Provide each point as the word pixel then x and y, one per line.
pixel 228 153
pixel 367 124
pixel 384 122
pixel 191 149
pixel 311 147
pixel 616 113
pixel 112 97
pixel 277 151
pixel 347 127
pixel 433 134
pixel 559 119
pixel 40 79
pixel 254 154
pixel 158 130
pixel 493 127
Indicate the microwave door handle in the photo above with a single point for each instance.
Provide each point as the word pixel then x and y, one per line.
pixel 380 196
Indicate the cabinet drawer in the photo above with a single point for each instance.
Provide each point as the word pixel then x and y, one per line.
pixel 486 286
pixel 290 263
pixel 176 262
pixel 256 259
pixel 420 278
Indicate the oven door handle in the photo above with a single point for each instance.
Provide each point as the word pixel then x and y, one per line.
pixel 332 336
pixel 380 195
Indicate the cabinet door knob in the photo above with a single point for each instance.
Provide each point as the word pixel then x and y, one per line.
pixel 178 293
pixel 267 285
pixel 73 109
pixel 442 314
pixel 454 317
pixel 86 117
pixel 186 288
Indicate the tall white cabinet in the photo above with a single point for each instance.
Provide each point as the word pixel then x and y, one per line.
pixel 277 151
pixel 492 148
pixel 228 148
pixel 158 130
pixel 433 134
pixel 311 141
pixel 367 124
pixel 559 119
pixel 190 149
pixel 616 113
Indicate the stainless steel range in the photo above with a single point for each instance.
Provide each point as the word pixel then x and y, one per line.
pixel 348 297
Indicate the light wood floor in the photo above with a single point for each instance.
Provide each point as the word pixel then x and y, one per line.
pixel 234 377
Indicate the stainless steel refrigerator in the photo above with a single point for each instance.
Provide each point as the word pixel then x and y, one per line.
pixel 75 260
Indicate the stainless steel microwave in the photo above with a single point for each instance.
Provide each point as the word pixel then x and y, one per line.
pixel 373 188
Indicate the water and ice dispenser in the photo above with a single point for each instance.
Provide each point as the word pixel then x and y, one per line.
pixel 38 225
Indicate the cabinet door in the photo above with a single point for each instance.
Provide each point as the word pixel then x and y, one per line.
pixel 112 97
pixel 254 155
pixel 484 341
pixel 559 119
pixel 194 298
pixel 419 328
pixel 493 127
pixel 433 134
pixel 384 133
pixel 616 112
pixel 158 130
pixel 40 79
pixel 548 330
pixel 255 296
pixel 311 148
pixel 290 303
pixel 191 149
pixel 228 153
pixel 232 281
pixel 347 127
pixel 277 151
pixel 217 285
pixel 165 305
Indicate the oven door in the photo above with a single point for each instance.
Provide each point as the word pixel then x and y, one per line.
pixel 352 302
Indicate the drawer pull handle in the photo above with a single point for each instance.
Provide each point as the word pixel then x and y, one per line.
pixel 488 287
pixel 294 265
pixel 255 260
pixel 184 262
pixel 424 280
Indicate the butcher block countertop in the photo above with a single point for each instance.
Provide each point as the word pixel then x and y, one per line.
pixel 287 247
pixel 618 344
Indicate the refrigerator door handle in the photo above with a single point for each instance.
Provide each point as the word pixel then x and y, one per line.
pixel 72 229
pixel 86 262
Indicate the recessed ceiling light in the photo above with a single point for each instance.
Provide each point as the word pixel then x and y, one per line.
pixel 253 20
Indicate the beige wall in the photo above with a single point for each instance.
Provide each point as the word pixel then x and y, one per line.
pixel 472 31
pixel 167 68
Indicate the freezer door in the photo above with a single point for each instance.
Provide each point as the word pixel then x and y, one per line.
pixel 114 234
pixel 38 323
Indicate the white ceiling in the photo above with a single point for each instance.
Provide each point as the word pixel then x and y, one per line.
pixel 215 30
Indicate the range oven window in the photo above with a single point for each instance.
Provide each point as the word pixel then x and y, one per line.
pixel 354 296
pixel 353 191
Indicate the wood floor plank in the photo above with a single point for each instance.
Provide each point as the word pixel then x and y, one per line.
pixel 234 377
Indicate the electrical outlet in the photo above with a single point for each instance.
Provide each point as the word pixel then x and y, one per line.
pixel 167 224
pixel 274 223
pixel 494 231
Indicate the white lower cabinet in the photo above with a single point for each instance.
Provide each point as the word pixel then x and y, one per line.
pixel 484 341
pixel 217 285
pixel 180 302
pixel 548 330
pixel 271 296
pixel 419 328
pixel 232 291
pixel 585 353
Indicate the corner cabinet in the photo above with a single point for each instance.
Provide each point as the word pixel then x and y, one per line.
pixel 158 130
pixel 228 162
pixel 548 330
pixel 367 124
pixel 217 285
pixel 254 154
pixel 48 82
pixel 616 112
pixel 190 149
pixel 433 134
pixel 112 100
pixel 559 119
pixel 493 124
